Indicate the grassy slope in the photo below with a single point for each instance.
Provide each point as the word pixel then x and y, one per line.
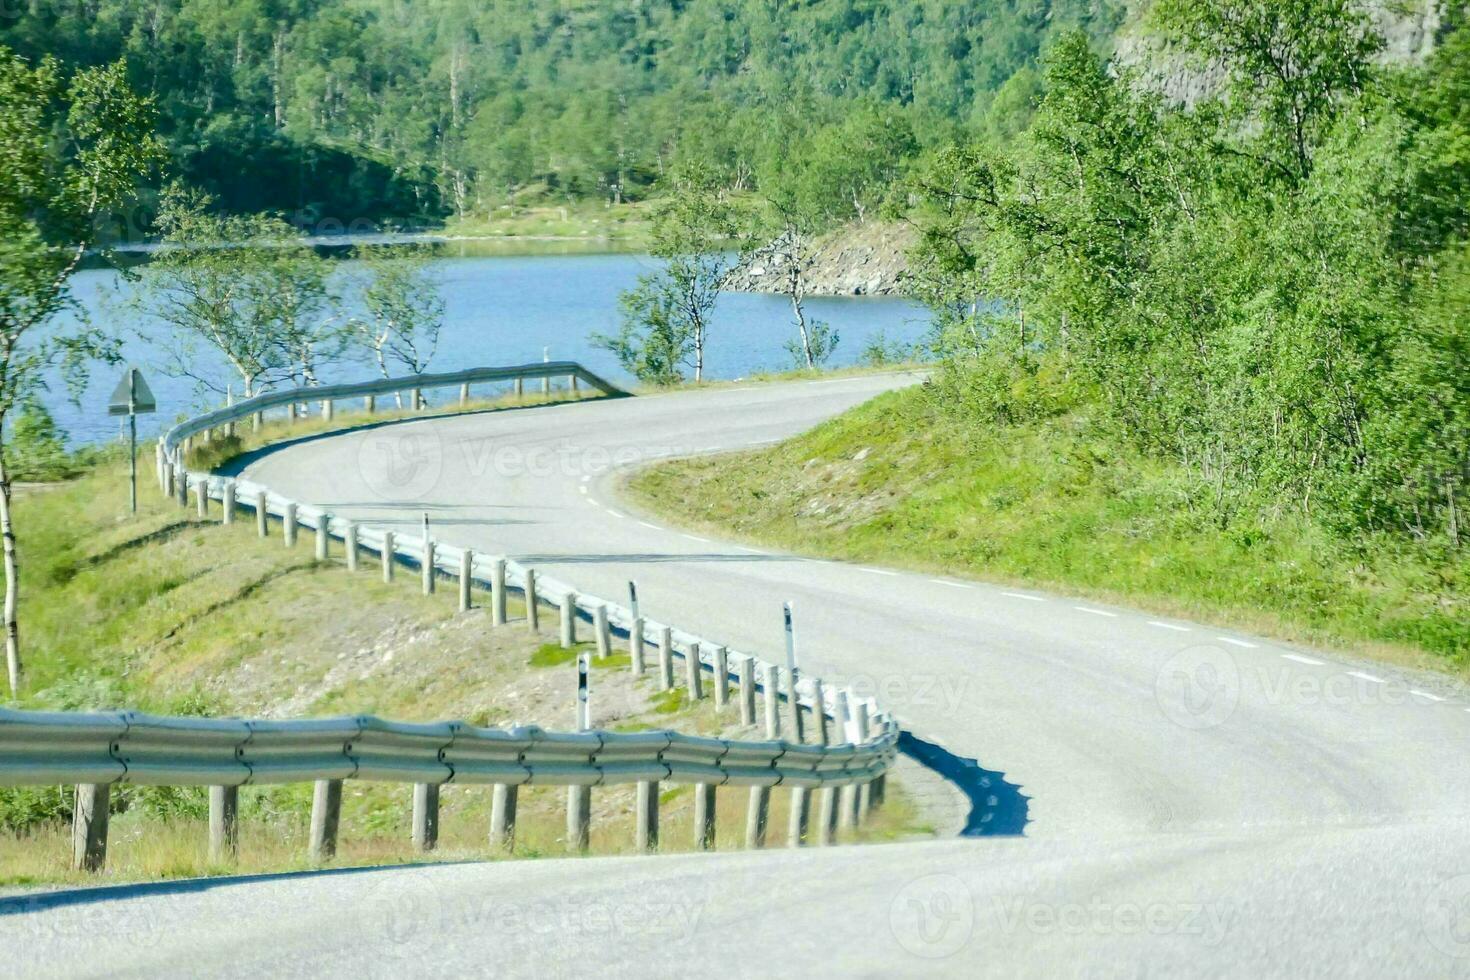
pixel 163 613
pixel 895 481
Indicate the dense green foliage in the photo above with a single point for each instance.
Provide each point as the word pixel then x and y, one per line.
pixel 335 110
pixel 1267 290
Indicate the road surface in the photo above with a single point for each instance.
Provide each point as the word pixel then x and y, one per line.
pixel 1141 795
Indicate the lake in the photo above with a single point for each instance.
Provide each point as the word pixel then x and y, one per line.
pixel 498 310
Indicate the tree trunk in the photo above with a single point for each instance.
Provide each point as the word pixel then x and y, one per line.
pixel 12 582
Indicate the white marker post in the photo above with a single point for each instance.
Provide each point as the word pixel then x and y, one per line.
pixel 633 597
pixel 791 674
pixel 584 706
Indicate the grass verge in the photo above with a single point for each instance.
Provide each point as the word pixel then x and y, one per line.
pixel 1052 505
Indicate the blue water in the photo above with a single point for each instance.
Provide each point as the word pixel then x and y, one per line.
pixel 498 310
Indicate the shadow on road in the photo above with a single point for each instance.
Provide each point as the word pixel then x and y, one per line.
pixel 997 807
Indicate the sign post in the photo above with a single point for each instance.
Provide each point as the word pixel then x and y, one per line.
pixel 132 398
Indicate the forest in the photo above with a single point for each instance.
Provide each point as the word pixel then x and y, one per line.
pixel 406 112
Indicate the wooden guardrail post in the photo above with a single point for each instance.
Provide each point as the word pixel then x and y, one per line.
pixel 425 816
pixel 520 389
pixel 645 834
pixel 503 816
pixel 387 556
pixel 847 799
pixel 326 813
pixel 349 544
pixel 772 700
pixel 826 815
pixel 800 816
pixel 166 473
pixel 89 826
pixel 227 505
pixel 579 818
pixel 747 691
pixel 201 494
pixel 694 673
pixel 863 795
pixel 757 813
pixel 533 603
pixel 288 526
pixel 181 484
pixel 224 823
pixel 262 516
pixel 327 409
pixel 466 562
pixel 569 619
pixel 426 565
pixel 464 394
pixel 704 816
pixel 369 404
pixel 602 631
pixel 819 712
pixel 722 677
pixel 665 659
pixel 498 602
pixel 635 647
pixel 323 536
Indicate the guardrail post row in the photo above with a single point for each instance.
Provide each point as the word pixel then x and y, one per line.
pixel 757 813
pixel 579 818
pixel 569 619
pixel 89 826
pixel 262 516
pixel 387 556
pixel 602 630
pixel 349 544
pixel 665 659
pixel 645 834
pixel 466 561
pixel 800 817
pixel 227 503
pixel 497 592
pixel 722 677
pixel 704 816
pixel 772 691
pixel 694 672
pixel 635 647
pixel 747 691
pixel 533 603
pixel 503 816
pixel 425 816
pixel 326 813
pixel 288 526
pixel 323 536
pixel 224 823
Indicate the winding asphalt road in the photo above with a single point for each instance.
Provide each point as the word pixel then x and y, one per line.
pixel 1139 795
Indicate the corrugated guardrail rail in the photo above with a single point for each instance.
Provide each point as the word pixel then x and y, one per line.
pixel 840 745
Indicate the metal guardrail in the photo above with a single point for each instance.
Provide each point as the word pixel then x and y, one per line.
pixel 174 437
pixel 99 749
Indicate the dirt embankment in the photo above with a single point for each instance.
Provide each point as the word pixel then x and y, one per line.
pixel 868 259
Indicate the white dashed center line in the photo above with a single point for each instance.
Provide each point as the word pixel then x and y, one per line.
pixel 652 527
pixel 1302 660
pixel 1028 598
pixel 582 490
pixel 875 571
pixel 1365 677
pixel 1235 642
pixel 952 585
pixel 1095 612
pixel 1169 626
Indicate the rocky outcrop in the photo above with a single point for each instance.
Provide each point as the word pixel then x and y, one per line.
pixel 866 259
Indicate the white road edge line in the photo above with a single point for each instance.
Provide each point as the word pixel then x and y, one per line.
pixel 1370 678
pixel 1235 642
pixel 1170 626
pixel 694 537
pixel 651 527
pixel 1302 660
pixel 1028 598
pixel 614 513
pixel 1425 694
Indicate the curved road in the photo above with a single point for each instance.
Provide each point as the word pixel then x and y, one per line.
pixel 1140 795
